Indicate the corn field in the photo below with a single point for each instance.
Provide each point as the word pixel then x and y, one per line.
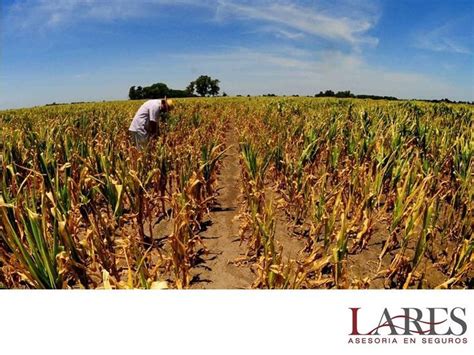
pixel 377 194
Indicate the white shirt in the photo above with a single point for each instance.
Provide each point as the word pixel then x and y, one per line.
pixel 147 112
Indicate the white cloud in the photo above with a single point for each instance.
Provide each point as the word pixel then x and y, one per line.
pixel 439 44
pixel 48 14
pixel 452 37
pixel 308 20
pixel 338 22
pixel 280 33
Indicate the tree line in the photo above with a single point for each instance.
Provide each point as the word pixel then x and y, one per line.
pixel 202 86
pixel 155 91
pixel 349 94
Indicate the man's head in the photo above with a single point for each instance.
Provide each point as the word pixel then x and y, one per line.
pixel 166 105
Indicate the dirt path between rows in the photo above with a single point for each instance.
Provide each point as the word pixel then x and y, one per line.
pixel 221 236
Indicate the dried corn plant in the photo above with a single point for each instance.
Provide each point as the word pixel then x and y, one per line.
pixel 380 193
pixel 79 204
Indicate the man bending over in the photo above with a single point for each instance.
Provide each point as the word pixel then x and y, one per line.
pixel 145 124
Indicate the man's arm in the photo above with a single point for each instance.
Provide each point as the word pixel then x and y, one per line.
pixel 153 129
pixel 153 126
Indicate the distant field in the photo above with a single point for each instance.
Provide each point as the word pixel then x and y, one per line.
pixel 239 193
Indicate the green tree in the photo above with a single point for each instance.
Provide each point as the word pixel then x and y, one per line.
pixel 155 91
pixel 177 93
pixel 139 93
pixel 132 94
pixel 190 88
pixel 214 87
pixel 204 85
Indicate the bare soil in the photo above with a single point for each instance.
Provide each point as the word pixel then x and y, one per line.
pixel 217 269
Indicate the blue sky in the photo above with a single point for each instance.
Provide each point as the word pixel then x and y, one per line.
pixel 77 50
